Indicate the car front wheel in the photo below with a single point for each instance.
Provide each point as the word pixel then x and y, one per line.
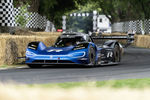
pixel 92 56
pixel 117 54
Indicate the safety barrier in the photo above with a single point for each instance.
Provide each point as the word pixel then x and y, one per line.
pixel 138 26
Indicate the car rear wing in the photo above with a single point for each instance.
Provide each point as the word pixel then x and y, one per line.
pixel 129 38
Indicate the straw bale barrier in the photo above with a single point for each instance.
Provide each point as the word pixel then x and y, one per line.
pixel 142 41
pixel 115 34
pixel 13 46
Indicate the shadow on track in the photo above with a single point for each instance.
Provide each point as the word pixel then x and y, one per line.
pixel 72 66
pixel 64 67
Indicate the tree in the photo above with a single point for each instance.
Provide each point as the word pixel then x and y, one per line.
pixel 34 4
pixel 55 9
pixel 119 10
pixel 23 17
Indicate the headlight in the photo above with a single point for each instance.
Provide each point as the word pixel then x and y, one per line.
pixel 28 53
pixel 33 45
pixel 77 54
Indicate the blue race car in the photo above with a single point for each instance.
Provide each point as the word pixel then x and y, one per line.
pixel 74 48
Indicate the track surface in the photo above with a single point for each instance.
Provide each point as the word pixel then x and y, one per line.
pixel 135 64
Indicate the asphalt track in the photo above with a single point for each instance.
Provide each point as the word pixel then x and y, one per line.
pixel 135 64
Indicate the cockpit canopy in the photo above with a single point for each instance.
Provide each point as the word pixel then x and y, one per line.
pixel 72 39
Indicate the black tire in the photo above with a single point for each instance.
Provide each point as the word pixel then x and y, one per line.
pixel 117 54
pixel 92 56
pixel 34 65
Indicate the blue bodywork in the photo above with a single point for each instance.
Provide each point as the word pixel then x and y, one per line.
pixel 59 55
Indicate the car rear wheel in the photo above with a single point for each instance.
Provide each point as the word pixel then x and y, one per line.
pixel 117 54
pixel 92 56
pixel 34 65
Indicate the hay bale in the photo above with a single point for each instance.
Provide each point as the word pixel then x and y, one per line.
pixel 11 52
pixel 27 32
pixel 2 50
pixel 142 41
pixel 22 31
pixel 13 46
pixel 47 33
pixel 114 34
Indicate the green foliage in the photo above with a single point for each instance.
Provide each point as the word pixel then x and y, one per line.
pixel 18 3
pixel 124 10
pixel 120 10
pixel 55 9
pixel 89 7
pixel 23 17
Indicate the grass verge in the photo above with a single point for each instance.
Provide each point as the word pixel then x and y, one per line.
pixel 12 66
pixel 128 83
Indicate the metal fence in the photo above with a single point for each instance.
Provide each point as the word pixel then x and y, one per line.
pixel 138 26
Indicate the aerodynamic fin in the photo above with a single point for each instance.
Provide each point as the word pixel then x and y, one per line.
pixel 129 37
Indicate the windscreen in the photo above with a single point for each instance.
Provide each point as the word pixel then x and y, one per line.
pixel 66 42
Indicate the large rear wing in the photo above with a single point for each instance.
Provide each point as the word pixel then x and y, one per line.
pixel 129 38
